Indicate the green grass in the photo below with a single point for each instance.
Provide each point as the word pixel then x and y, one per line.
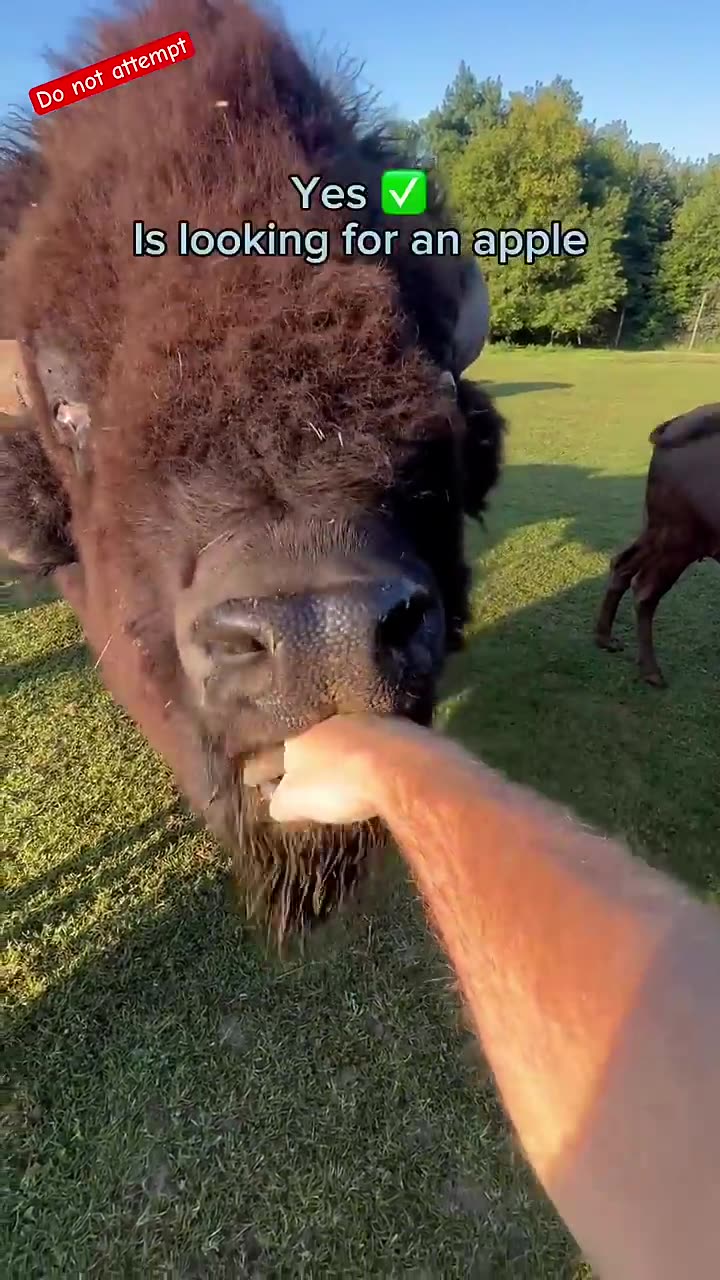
pixel 182 1104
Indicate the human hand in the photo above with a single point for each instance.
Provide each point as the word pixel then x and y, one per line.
pixel 334 772
pixel 327 777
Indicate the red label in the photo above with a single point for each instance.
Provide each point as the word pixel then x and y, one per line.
pixel 111 72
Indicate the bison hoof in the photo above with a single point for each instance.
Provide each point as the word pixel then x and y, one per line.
pixel 609 642
pixel 654 678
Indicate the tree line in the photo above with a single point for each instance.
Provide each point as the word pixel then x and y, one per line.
pixel 653 222
pixel 651 274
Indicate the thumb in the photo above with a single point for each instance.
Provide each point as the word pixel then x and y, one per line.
pixel 297 798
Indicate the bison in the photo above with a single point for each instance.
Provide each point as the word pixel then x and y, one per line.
pixel 269 460
pixel 682 525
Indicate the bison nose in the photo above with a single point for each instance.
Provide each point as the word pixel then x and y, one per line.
pixel 342 638
pixel 236 631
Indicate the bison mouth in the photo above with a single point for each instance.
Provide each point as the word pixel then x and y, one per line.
pixel 264 771
pixel 293 876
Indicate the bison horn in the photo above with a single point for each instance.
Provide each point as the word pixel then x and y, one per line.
pixel 51 374
pixel 473 320
pixel 71 423
pixel 21 390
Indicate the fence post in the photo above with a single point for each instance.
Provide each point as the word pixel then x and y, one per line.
pixel 701 308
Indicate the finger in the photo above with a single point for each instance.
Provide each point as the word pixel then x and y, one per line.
pixel 298 799
pixel 265 766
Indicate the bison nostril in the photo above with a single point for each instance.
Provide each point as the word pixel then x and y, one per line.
pixel 402 622
pixel 240 646
pixel 231 633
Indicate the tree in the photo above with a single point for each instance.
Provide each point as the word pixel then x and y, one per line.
pixel 408 136
pixel 469 105
pixel 644 174
pixel 691 260
pixel 526 174
pixel 562 89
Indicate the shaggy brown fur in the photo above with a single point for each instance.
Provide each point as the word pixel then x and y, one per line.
pixel 682 525
pixel 35 527
pixel 221 391
pixel 696 425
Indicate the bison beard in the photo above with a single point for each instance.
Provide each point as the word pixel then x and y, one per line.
pixel 291 878
pixel 244 444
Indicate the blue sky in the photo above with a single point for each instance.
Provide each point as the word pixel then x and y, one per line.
pixel 653 63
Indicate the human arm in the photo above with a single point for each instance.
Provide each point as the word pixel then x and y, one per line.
pixel 593 982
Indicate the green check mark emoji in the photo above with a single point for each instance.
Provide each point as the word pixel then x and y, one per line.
pixel 404 191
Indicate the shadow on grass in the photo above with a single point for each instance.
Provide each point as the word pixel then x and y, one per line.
pixel 161 831
pixel 535 697
pixel 48 666
pixel 500 389
pixel 19 594
pixel 181 1084
pixel 602 511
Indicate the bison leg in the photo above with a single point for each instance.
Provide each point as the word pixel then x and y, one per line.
pixel 622 571
pixel 649 590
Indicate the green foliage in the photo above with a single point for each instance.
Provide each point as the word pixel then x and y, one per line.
pixel 691 261
pixel 410 140
pixel 644 176
pixel 562 89
pixel 525 173
pixel 653 222
pixel 469 106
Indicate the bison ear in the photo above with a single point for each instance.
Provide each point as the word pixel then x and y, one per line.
pixel 472 325
pixel 71 424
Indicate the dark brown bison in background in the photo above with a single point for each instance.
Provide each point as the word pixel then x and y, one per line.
pixel 682 525
pixel 269 460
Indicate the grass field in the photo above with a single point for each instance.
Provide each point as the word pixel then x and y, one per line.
pixel 181 1103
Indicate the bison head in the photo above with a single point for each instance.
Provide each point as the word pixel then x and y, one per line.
pixel 273 457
